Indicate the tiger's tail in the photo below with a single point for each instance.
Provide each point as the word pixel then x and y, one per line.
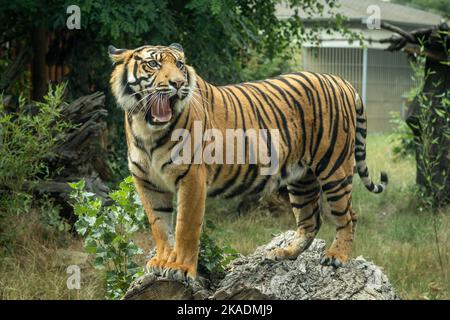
pixel 360 151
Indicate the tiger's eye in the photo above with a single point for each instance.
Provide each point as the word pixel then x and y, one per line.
pixel 153 63
pixel 180 64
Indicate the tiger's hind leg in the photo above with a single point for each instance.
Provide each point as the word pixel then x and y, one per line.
pixel 338 192
pixel 304 196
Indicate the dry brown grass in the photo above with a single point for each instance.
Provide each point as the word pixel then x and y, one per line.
pixel 34 266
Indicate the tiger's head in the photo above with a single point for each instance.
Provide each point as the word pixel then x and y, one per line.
pixel 153 81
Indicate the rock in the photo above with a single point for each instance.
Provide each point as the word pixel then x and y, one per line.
pixel 255 277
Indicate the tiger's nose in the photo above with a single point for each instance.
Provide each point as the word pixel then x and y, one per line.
pixel 177 84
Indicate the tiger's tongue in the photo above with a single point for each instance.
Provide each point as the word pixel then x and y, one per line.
pixel 161 112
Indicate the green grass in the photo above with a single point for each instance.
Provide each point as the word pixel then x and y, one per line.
pixel 392 230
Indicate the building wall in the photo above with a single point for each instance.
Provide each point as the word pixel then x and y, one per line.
pixel 388 78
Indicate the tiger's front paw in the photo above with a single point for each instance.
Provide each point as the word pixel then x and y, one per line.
pixel 155 266
pixel 180 272
pixel 179 267
pixel 333 258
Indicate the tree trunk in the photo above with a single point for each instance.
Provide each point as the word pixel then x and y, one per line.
pixel 255 277
pixel 12 72
pixel 39 76
pixel 436 85
pixel 432 161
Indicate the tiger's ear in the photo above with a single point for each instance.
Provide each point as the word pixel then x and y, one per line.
pixel 176 46
pixel 117 55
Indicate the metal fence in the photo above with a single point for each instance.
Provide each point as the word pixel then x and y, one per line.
pixel 388 78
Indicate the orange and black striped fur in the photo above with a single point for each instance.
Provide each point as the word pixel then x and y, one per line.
pixel 322 126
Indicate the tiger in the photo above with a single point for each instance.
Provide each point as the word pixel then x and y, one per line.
pixel 321 121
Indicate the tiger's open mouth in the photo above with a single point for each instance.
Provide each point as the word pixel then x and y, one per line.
pixel 160 111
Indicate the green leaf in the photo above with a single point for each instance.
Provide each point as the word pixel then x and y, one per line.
pixel 99 263
pixel 90 246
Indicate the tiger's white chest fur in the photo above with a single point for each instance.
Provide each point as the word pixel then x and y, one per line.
pixel 142 153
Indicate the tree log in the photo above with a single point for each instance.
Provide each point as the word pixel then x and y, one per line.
pixel 81 150
pixel 62 189
pixel 255 277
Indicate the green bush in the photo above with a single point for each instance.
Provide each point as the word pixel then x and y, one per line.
pixel 107 231
pixel 49 215
pixel 434 122
pixel 28 136
pixel 401 137
pixel 212 259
